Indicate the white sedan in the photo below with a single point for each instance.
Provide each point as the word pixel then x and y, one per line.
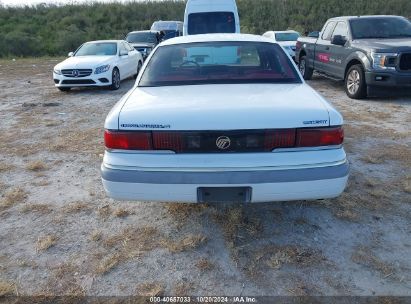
pixel 287 39
pixel 98 63
pixel 222 118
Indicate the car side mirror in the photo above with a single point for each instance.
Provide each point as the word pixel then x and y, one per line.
pixel 71 54
pixel 338 40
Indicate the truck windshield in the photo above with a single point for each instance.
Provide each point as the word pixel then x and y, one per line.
pixel 384 27
pixel 219 63
pixel 97 49
pixel 141 37
pixel 286 36
pixel 212 22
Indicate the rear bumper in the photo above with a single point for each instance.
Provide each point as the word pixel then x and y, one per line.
pixel 266 185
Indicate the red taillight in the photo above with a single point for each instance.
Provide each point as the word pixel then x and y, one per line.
pixel 279 139
pixel 172 141
pixel 320 137
pixel 128 140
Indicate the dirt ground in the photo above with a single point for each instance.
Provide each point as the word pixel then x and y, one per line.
pixel 60 234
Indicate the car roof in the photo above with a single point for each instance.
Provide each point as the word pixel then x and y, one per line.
pixel 287 31
pixel 363 17
pixel 147 31
pixel 101 41
pixel 215 38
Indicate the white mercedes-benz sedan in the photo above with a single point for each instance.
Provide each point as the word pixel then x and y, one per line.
pixel 223 118
pixel 98 63
pixel 287 39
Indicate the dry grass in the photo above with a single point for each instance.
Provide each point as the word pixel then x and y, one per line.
pixel 52 123
pixel 364 256
pixel 236 225
pixel 347 214
pixel 150 289
pixel 4 167
pixel 27 263
pixel 134 239
pixel 365 131
pixel 7 288
pixel 363 194
pixel 36 165
pixel 406 184
pixel 104 211
pixel 76 207
pixel 182 212
pixel 109 262
pixel 45 242
pixel 37 208
pixel 96 235
pixel 389 152
pixel 182 289
pixel 12 197
pixel 3 186
pixel 130 243
pixel 204 264
pixel 277 257
pixel 85 140
pixel 41 183
pixel 64 281
pixel 290 255
pixel 189 242
pixel 121 212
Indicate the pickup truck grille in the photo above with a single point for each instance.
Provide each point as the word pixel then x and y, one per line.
pixel 77 73
pixel 405 62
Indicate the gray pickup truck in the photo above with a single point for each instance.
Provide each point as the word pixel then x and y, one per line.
pixel 371 54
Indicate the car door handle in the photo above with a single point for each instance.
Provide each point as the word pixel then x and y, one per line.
pixel 327 48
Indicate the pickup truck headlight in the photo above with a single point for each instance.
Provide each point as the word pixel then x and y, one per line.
pixel 384 61
pixel 102 69
pixel 57 71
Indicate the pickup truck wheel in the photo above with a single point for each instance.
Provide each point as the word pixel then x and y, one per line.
pixel 305 70
pixel 355 85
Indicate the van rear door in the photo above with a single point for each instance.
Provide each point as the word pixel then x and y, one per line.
pixel 211 16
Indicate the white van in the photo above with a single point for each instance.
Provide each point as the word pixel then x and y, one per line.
pixel 211 16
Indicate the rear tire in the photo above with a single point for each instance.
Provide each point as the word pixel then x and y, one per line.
pixel 354 84
pixel 115 79
pixel 64 89
pixel 305 70
pixel 138 69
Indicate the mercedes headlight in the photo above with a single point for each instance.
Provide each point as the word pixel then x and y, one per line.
pixel 384 61
pixel 57 71
pixel 102 69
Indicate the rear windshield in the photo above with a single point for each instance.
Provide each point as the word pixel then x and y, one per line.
pixel 213 22
pixel 286 36
pixel 97 49
pixel 384 27
pixel 142 37
pixel 219 63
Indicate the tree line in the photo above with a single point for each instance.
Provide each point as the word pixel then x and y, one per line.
pixel 54 30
